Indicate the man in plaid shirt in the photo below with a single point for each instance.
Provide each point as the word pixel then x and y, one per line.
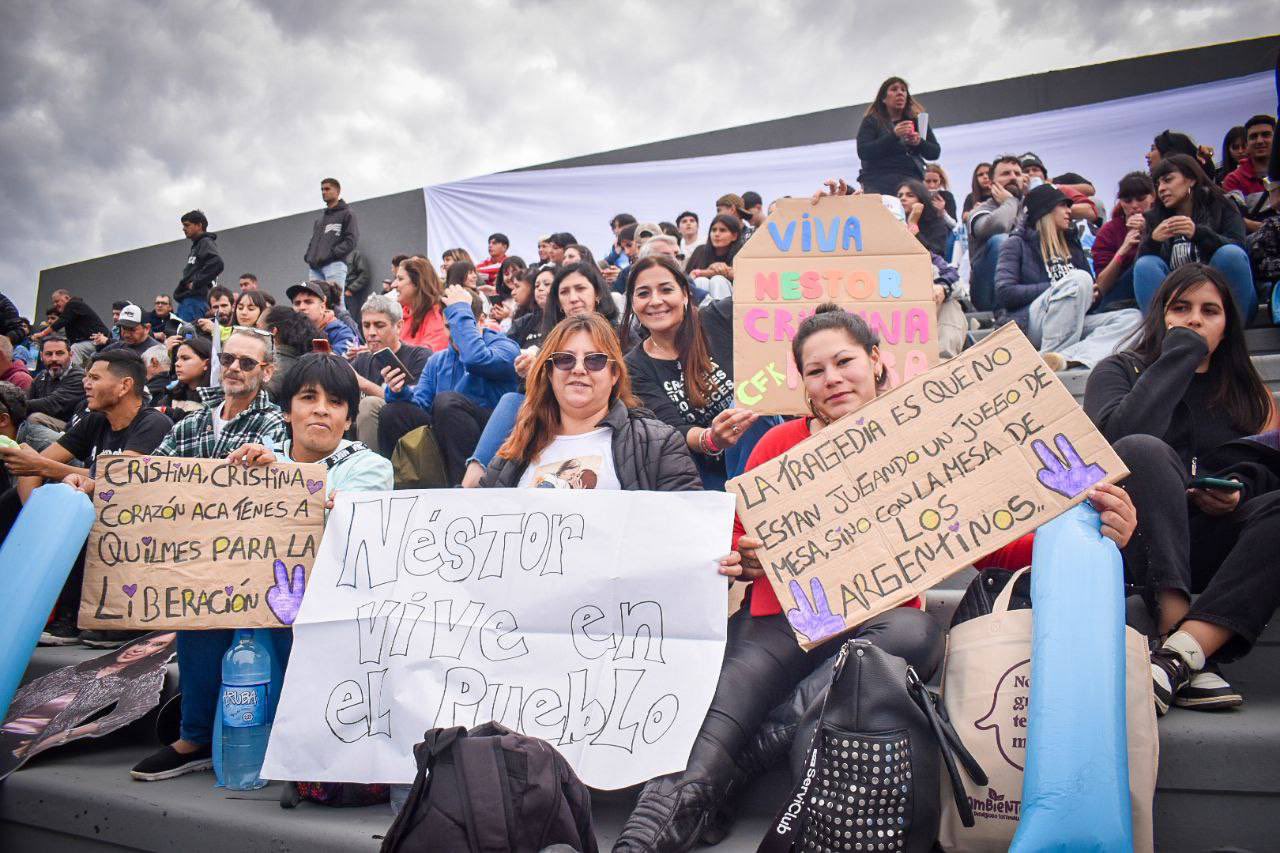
pixel 239 412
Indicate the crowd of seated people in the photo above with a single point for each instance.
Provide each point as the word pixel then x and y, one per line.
pixel 515 373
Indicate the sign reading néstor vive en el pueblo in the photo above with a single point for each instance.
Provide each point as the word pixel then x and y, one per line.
pixel 893 498
pixel 848 250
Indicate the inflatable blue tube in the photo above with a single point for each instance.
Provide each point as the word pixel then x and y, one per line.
pixel 1075 796
pixel 35 559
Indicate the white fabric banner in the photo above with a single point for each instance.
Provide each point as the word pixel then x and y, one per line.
pixel 593 620
pixel 1101 141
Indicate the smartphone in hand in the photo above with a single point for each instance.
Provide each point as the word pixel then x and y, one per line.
pixel 384 358
pixel 1216 483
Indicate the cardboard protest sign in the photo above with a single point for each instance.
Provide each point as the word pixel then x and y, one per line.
pixel 917 484
pixel 848 250
pixel 53 709
pixel 594 620
pixel 199 543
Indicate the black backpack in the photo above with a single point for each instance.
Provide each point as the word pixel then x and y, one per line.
pixel 491 790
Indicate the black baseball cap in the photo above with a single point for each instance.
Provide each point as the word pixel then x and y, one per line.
pixel 315 288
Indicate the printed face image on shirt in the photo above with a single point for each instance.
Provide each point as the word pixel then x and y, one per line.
pixel 581 472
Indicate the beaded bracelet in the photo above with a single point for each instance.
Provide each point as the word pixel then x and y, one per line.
pixel 708 444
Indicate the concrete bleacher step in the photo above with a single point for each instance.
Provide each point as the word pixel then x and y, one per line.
pixel 1219 784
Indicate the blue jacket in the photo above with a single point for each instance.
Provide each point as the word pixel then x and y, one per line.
pixel 1021 275
pixel 478 363
pixel 340 336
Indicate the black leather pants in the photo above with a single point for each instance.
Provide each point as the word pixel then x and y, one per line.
pixel 763 664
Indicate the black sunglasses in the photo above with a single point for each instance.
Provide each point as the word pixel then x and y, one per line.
pixel 567 361
pixel 247 364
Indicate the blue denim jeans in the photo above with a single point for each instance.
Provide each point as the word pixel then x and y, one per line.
pixel 1059 321
pixel 334 271
pixel 982 275
pixel 200 674
pixel 192 308
pixel 498 427
pixel 1150 271
pixel 1121 289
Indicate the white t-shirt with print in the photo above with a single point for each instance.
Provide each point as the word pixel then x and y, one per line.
pixel 574 462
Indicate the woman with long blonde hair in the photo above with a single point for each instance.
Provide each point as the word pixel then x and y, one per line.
pixel 1045 285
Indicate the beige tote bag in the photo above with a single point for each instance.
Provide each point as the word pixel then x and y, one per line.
pixel 987 689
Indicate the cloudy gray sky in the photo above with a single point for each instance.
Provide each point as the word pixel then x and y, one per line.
pixel 118 115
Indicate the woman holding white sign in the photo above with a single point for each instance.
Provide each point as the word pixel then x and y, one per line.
pixel 575 290
pixel 839 360
pixel 580 426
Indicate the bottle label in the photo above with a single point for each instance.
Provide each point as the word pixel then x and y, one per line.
pixel 244 705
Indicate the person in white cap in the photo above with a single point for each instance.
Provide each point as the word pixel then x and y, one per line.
pixel 135 333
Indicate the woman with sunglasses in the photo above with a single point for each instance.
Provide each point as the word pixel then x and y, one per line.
pixel 579 426
pixel 576 290
pixel 682 371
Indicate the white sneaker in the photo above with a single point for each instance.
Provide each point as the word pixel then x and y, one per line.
pixel 1208 691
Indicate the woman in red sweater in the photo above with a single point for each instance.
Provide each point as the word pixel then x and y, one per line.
pixel 839 359
pixel 421 297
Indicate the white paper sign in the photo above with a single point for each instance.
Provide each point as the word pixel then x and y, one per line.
pixel 592 620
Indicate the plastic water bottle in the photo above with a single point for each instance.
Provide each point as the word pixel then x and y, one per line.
pixel 246 680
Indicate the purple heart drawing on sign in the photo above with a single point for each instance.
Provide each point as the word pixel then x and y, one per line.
pixel 146 540
pixel 129 589
pixel 107 494
pixel 285 597
pixel 953 526
pixel 229 589
pixel 146 459
pixel 314 486
pixel 860 421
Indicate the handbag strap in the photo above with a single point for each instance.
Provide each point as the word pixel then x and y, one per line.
pixel 920 694
pixel 788 825
pixel 1001 604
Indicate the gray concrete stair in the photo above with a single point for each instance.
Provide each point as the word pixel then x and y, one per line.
pixel 1219 781
pixel 1219 784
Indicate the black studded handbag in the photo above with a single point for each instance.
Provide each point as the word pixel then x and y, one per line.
pixel 871 777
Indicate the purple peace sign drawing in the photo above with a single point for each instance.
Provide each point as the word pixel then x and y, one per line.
pixel 813 619
pixel 285 597
pixel 1069 475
